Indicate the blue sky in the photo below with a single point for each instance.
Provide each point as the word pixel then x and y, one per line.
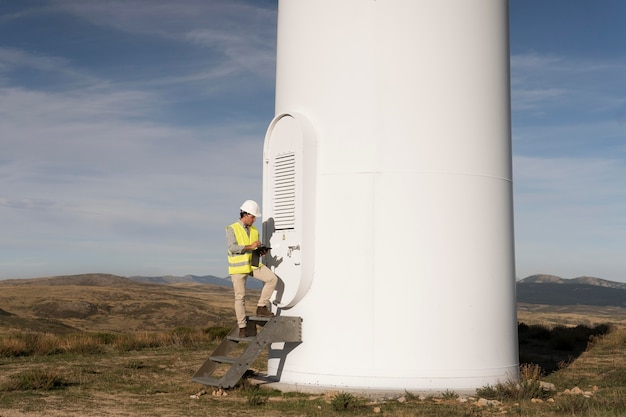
pixel 132 130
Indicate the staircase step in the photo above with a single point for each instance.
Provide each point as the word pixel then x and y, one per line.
pixel 260 319
pixel 223 359
pixel 207 380
pixel 241 339
pixel 274 329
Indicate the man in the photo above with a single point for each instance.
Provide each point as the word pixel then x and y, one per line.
pixel 242 239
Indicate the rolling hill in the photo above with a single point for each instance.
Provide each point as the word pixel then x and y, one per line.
pixel 193 279
pixel 553 279
pixel 103 303
pixel 110 303
pixel 557 291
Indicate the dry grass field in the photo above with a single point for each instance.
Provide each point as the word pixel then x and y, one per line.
pixel 103 303
pixel 100 345
pixel 570 315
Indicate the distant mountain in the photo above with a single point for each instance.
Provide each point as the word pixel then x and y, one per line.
pixel 554 290
pixel 88 280
pixel 193 279
pixel 553 279
pixel 104 280
pixel 187 279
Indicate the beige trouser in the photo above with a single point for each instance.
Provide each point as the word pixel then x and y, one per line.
pixel 239 285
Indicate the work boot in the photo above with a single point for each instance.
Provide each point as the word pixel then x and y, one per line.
pixel 263 311
pixel 242 332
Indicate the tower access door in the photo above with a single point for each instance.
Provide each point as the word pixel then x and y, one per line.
pixel 290 155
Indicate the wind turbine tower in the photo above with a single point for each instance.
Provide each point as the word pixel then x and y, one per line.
pixel 388 194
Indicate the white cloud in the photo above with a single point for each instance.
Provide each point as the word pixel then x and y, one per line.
pixel 11 57
pixel 550 84
pixel 88 175
pixel 243 33
pixel 571 180
pixel 542 63
pixel 249 52
pixel 94 173
pixel 166 18
pixel 93 177
pixel 569 162
pixel 570 216
pixel 17 60
pixel 528 99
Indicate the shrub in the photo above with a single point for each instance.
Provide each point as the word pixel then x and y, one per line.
pixel 13 347
pixel 138 341
pixel 344 401
pixel 409 395
pixel 529 386
pixel 184 336
pixel 489 392
pixel 449 395
pixel 37 379
pixel 217 332
pixel 572 404
pixel 80 343
pixel 105 338
pixel 530 371
pixel 539 332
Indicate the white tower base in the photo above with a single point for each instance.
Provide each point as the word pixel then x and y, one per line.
pixel 388 194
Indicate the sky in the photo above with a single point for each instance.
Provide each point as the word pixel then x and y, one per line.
pixel 132 130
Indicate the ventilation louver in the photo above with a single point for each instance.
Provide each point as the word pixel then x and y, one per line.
pixel 284 191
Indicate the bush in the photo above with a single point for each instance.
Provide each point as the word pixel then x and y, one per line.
pixel 344 401
pixel 105 338
pixel 35 380
pixel 572 404
pixel 449 395
pixel 79 343
pixel 217 332
pixel 11 347
pixel 530 372
pixel 529 386
pixel 184 336
pixel 138 341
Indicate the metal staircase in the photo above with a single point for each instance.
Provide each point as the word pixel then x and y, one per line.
pixel 224 371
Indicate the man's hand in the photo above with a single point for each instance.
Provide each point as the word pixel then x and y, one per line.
pixel 252 246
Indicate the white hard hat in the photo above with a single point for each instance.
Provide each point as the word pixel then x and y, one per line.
pixel 251 207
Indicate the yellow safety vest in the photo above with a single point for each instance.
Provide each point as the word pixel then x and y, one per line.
pixel 241 263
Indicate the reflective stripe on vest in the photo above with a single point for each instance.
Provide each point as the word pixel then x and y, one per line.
pixel 240 263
